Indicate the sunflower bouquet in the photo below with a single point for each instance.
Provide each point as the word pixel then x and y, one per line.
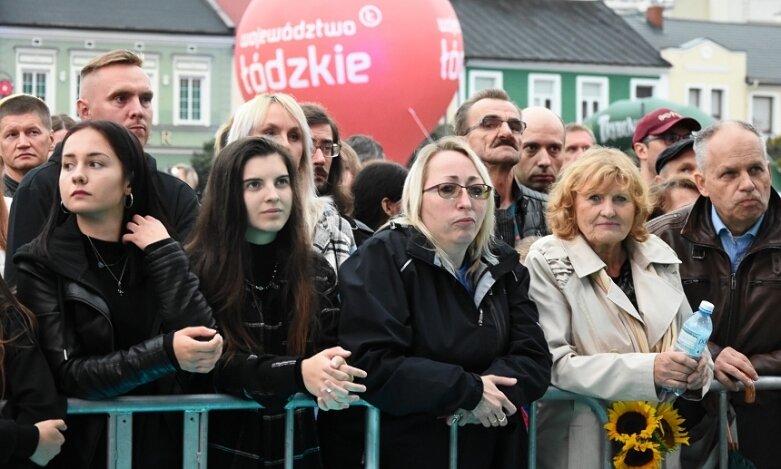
pixel 642 433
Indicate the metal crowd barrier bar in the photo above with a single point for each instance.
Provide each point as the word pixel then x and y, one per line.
pixel 765 383
pixel 555 394
pixel 196 423
pixel 197 406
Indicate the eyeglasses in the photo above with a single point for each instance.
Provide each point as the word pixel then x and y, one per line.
pixel 451 190
pixel 669 137
pixel 330 150
pixel 517 126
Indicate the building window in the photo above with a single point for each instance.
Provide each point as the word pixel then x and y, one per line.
pixel 484 79
pixel 190 99
pixel 643 88
pixel 34 83
pixel 191 91
pixel 591 95
pixel 717 104
pixel 695 95
pixel 35 70
pixel 545 91
pixel 708 99
pixel 762 113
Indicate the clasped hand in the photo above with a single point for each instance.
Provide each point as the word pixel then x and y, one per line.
pixel 197 349
pixel 329 378
pixel 494 407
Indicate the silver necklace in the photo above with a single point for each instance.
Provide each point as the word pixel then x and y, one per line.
pixel 271 285
pixel 102 263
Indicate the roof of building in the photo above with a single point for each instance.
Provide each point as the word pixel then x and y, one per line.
pixel 759 41
pixel 159 16
pixel 585 32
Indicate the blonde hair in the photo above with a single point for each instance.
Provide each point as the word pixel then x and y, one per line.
pixel 253 112
pixel 597 166
pixel 412 201
pixel 114 57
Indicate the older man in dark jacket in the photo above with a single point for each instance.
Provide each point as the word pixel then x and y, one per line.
pixel 729 243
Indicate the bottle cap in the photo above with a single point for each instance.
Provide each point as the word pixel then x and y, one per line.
pixel 706 307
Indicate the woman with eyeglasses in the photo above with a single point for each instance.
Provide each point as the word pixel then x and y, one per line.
pixel 279 117
pixel 441 320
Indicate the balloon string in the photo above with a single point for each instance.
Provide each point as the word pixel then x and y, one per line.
pixel 420 124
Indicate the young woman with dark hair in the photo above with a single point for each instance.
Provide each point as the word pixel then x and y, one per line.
pixel 377 196
pixel 119 310
pixel 274 299
pixel 31 423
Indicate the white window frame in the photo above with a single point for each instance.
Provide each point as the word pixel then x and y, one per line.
pixel 555 98
pixel 152 69
pixel 474 75
pixel 30 60
pixel 705 97
pixel 636 82
pixel 193 67
pixel 776 128
pixel 603 101
pixel 78 59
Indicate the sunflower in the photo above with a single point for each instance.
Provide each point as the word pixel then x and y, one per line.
pixel 629 420
pixel 639 455
pixel 671 433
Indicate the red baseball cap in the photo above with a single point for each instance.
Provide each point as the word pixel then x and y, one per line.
pixel 659 122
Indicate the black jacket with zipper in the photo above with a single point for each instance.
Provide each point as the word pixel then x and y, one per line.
pixel 425 341
pixel 76 332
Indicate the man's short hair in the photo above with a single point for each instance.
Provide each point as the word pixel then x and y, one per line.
pixel 575 127
pixel 317 115
pixel 19 104
pixel 366 147
pixel 114 57
pixel 62 122
pixel 702 138
pixel 460 124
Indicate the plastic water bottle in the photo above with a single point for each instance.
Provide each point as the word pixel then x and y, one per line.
pixel 693 336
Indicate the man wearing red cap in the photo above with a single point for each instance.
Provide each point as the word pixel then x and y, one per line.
pixel 656 131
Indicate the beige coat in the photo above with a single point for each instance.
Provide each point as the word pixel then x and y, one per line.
pixel 594 353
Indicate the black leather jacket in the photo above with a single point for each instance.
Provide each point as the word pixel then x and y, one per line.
pixel 76 332
pixel 77 338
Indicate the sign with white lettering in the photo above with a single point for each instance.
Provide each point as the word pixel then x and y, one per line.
pixel 383 68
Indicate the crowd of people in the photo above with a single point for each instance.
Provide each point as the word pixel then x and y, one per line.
pixel 511 256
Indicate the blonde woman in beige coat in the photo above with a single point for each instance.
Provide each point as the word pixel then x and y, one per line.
pixel 610 302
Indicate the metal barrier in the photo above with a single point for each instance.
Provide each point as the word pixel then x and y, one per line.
pixel 196 409
pixel 196 419
pixel 556 394
pixel 765 383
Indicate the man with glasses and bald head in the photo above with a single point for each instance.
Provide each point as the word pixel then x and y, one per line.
pixel 492 126
pixel 656 131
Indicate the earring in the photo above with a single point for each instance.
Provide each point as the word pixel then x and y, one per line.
pixel 129 200
pixel 63 208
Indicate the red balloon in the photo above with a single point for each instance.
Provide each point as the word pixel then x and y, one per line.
pixel 382 67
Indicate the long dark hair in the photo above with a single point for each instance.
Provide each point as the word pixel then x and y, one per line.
pixel 377 180
pixel 219 251
pixel 9 305
pixel 136 168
